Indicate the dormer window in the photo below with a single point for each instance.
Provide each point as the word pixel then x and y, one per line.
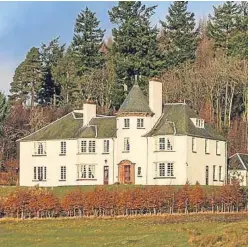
pixel 198 122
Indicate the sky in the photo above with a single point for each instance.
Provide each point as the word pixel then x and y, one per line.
pixel 27 24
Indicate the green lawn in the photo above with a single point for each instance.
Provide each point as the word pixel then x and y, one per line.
pixel 61 191
pixel 174 231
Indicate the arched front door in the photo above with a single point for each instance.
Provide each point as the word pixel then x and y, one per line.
pixel 126 172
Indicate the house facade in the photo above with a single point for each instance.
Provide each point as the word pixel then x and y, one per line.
pixel 146 142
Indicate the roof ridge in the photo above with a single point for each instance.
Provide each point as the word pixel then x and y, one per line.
pixel 46 126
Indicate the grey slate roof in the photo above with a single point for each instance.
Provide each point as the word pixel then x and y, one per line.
pixel 68 127
pixel 176 117
pixel 238 162
pixel 135 102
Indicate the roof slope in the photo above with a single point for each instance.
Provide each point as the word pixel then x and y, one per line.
pixel 179 115
pixel 69 127
pixel 238 162
pixel 135 102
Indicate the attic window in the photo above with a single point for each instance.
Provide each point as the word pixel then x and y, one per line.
pixel 198 122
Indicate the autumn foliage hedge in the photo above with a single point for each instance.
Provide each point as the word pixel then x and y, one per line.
pixel 42 203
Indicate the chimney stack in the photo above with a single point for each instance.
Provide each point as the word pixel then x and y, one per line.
pixel 89 112
pixel 155 99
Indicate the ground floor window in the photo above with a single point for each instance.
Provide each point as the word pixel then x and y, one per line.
pixel 40 173
pixel 63 173
pixel 164 169
pixel 86 171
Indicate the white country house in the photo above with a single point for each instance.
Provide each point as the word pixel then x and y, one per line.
pixel 147 142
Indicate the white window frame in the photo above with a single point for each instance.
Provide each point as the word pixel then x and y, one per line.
pixel 164 170
pixel 194 146
pixel 40 173
pixel 140 123
pixel 86 171
pixel 199 123
pixel 83 146
pixel 126 123
pixel 218 152
pixel 92 146
pixel 87 146
pixel 214 173
pixel 164 144
pixel 207 146
pixel 106 146
pixel 127 145
pixel 220 173
pixel 40 148
pixel 139 171
pixel 63 147
pixel 63 173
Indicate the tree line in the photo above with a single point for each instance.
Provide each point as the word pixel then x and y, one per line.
pixel 149 200
pixel 203 63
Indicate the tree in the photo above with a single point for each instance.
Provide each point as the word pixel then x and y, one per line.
pixel 50 55
pixel 87 41
pixel 135 48
pixel 180 37
pixel 226 25
pixel 3 111
pixel 28 78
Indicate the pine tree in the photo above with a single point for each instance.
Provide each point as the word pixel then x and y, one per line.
pixel 3 111
pixel 87 41
pixel 179 35
pixel 51 88
pixel 28 78
pixel 135 48
pixel 224 26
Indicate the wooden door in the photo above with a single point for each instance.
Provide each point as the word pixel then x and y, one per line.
pixel 127 170
pixel 106 174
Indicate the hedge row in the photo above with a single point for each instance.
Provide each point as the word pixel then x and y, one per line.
pixel 38 202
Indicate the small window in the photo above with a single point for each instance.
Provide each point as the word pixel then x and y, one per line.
pixel 63 147
pixel 161 143
pixel 63 172
pixel 139 171
pixel 40 148
pixel 83 146
pixel 169 145
pixel 217 148
pixel 194 144
pixel 220 173
pixel 106 146
pixel 91 148
pixel 127 144
pixel 214 173
pixel 161 170
pixel 206 146
pixel 127 123
pixel 170 172
pixel 140 123
pixel 199 123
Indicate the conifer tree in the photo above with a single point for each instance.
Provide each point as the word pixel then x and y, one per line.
pixel 135 47
pixel 179 34
pixel 28 78
pixel 3 110
pixel 87 41
pixel 226 24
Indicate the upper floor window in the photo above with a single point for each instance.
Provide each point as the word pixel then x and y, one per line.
pixel 194 145
pixel 87 146
pixel 207 146
pixel 165 144
pixel 127 144
pixel 217 148
pixel 106 146
pixel 40 148
pixel 164 169
pixel 63 147
pixel 127 123
pixel 140 123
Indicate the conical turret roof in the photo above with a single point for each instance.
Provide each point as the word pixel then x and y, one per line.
pixel 135 102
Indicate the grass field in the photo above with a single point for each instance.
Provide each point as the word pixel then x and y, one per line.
pixel 207 230
pixel 61 191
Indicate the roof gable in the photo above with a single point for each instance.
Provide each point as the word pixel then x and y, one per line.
pixel 238 162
